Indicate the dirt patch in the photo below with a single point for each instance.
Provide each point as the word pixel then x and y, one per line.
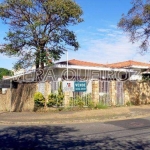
pixel 81 116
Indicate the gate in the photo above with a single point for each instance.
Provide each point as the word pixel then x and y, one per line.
pixel 75 98
pixel 54 86
pixel 119 93
pixel 85 98
pixel 104 95
pixel 82 99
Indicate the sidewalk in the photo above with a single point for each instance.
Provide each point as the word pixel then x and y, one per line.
pixel 82 116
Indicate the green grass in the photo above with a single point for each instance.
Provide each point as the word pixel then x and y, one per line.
pixel 101 106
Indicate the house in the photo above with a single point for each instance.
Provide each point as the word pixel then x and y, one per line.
pixel 84 70
pixel 79 70
pixel 76 70
pixel 136 69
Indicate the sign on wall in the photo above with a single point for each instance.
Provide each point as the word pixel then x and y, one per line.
pixel 68 86
pixel 80 86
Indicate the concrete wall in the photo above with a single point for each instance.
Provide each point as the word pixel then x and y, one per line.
pixel 137 92
pixel 134 92
pixel 5 101
pixel 22 97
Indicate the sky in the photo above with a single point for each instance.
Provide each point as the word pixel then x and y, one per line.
pixel 100 39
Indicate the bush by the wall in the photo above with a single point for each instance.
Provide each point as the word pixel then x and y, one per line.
pixel 101 105
pixel 129 103
pixel 91 105
pixel 56 99
pixel 60 96
pixel 52 100
pixel 81 101
pixel 39 99
pixel 77 101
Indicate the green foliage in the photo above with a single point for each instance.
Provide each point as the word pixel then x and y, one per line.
pixel 101 105
pixel 136 23
pixel 129 103
pixel 60 96
pixel 146 77
pixel 39 99
pixel 40 30
pixel 5 72
pixel 81 101
pixel 56 99
pixel 91 105
pixel 52 100
pixel 60 108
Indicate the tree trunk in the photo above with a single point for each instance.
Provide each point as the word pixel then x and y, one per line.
pixel 42 57
pixel 37 65
pixel 42 65
pixel 37 61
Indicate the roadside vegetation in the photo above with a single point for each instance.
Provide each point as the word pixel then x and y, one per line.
pixel 5 72
pixel 56 100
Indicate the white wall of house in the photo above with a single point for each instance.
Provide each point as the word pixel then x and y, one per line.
pixel 87 74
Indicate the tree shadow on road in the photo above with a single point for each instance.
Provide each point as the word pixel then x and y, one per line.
pixel 60 137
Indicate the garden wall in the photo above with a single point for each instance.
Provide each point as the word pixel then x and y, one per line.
pixel 137 92
pixel 5 101
pixel 21 98
pixel 121 93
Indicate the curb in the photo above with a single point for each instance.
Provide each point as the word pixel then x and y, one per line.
pixel 3 112
pixel 70 122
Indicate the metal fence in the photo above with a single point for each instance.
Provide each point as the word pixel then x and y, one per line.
pixel 119 93
pixel 54 86
pixel 81 99
pixel 104 92
pixel 84 99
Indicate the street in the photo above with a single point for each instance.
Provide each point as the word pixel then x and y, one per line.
pixel 122 134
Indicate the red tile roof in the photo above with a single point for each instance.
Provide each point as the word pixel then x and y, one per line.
pixel 123 64
pixel 5 77
pixel 128 63
pixel 82 63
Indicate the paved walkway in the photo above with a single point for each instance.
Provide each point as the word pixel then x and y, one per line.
pixel 82 116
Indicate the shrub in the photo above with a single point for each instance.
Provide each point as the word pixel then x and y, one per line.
pixel 56 99
pixel 39 99
pixel 101 105
pixel 129 103
pixel 52 100
pixel 77 101
pixel 60 96
pixel 91 104
pixel 81 101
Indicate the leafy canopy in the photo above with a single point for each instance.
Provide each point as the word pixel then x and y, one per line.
pixel 4 72
pixel 137 23
pixel 38 32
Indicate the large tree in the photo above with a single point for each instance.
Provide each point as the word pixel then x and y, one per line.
pixel 38 30
pixel 5 72
pixel 137 23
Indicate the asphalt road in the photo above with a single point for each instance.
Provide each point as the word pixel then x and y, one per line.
pixel 125 134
